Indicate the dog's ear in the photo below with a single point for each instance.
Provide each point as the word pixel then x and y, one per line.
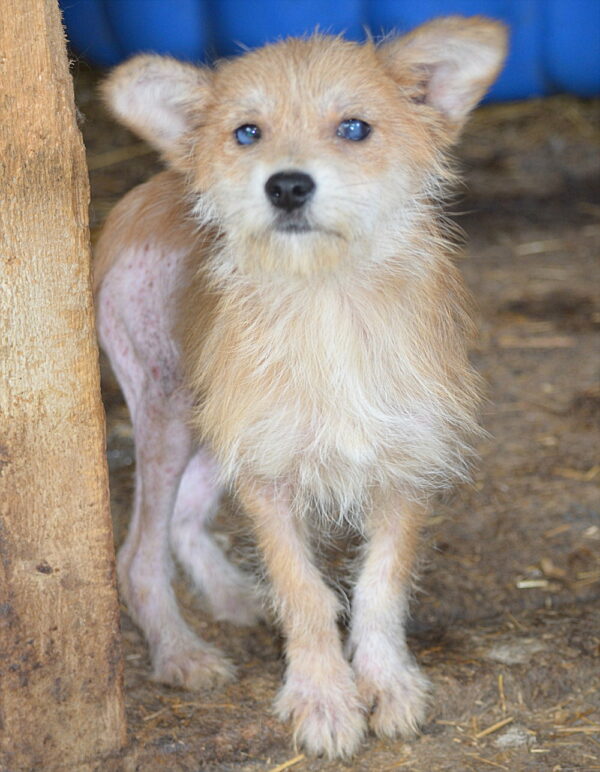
pixel 448 63
pixel 158 98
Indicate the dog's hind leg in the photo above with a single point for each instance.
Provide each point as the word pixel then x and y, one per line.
pixel 389 681
pixel 319 694
pixel 163 446
pixel 145 566
pixel 229 592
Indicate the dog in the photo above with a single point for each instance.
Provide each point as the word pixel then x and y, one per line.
pixel 281 309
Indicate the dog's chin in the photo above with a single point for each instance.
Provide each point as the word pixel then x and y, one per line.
pixel 292 249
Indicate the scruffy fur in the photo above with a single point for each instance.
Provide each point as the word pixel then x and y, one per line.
pixel 318 372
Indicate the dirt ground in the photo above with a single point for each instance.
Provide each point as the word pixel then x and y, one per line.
pixel 506 623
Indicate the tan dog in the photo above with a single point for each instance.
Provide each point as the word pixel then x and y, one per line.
pixel 284 317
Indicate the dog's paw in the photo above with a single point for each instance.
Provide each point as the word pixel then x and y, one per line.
pixel 327 718
pixel 395 694
pixel 194 665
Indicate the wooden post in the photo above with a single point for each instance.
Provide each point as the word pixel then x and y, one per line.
pixel 60 660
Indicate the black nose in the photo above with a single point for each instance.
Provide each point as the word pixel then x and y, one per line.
pixel 289 190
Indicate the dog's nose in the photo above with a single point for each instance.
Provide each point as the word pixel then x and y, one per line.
pixel 289 190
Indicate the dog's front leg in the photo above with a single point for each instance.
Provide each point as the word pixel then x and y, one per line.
pixel 319 694
pixel 389 681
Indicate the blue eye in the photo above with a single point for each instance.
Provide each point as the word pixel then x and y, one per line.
pixel 247 134
pixel 353 129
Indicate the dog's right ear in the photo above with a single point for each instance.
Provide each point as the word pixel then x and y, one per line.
pixel 451 62
pixel 158 98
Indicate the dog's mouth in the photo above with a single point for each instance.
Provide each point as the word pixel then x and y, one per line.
pixel 293 223
pixel 296 224
pixel 294 228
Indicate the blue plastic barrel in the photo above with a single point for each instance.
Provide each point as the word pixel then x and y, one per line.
pixel 555 44
pixel 179 28
pixel 238 23
pixel 89 32
pixel 572 46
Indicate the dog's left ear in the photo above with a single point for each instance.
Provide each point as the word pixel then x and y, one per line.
pixel 448 63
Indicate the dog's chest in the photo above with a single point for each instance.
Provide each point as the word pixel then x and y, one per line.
pixel 309 386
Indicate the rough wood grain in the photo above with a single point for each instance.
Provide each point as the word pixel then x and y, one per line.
pixel 60 661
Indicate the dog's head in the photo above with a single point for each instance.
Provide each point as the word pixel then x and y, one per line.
pixel 312 152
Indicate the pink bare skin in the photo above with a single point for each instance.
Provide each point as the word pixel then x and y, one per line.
pixel 176 490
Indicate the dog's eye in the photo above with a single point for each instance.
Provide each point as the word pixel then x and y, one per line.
pixel 353 129
pixel 247 134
